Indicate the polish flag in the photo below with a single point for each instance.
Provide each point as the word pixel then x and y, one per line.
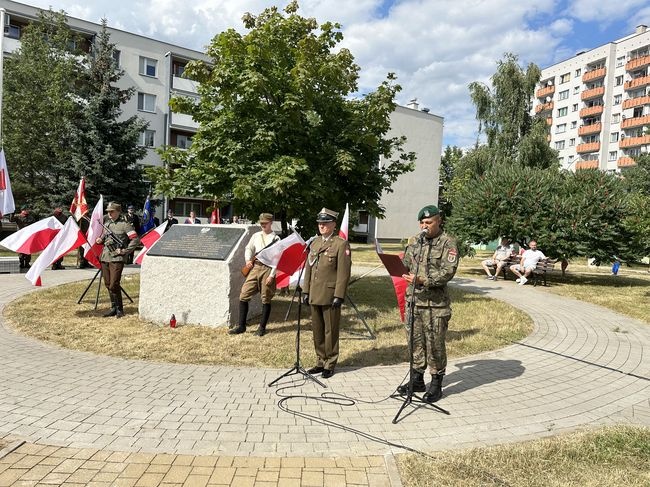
pixel 93 250
pixel 214 218
pixel 79 207
pixel 399 283
pixel 148 240
pixel 343 232
pixel 33 238
pixel 69 238
pixel 6 196
pixel 286 256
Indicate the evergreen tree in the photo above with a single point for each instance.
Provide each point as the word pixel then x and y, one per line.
pixel 448 166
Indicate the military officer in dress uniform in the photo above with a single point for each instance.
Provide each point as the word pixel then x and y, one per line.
pixel 326 280
pixel 438 256
pixel 260 278
pixel 119 240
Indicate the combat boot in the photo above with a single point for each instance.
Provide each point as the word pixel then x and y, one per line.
pixel 243 313
pixel 113 310
pixel 418 384
pixel 434 391
pixel 266 313
pixel 119 305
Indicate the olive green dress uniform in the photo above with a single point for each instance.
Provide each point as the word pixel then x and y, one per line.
pixel 326 276
pixel 438 264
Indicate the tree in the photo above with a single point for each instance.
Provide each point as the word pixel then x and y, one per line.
pixel 448 165
pixel 39 107
pixel 278 127
pixel 106 149
pixel 637 182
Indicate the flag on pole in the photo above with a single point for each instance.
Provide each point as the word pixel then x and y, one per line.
pixel 33 238
pixel 215 218
pixel 93 250
pixel 6 196
pixel 69 238
pixel 147 217
pixel 343 232
pixel 286 256
pixel 149 240
pixel 399 283
pixel 79 206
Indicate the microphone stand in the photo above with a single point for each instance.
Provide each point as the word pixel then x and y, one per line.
pixel 297 368
pixel 410 395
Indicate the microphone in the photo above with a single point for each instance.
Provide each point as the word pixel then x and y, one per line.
pixel 423 235
pixel 310 240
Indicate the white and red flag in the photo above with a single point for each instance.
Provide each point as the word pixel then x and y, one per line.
pixel 79 206
pixel 345 223
pixel 286 256
pixel 6 196
pixel 93 250
pixel 399 283
pixel 69 238
pixel 33 238
pixel 148 240
pixel 215 218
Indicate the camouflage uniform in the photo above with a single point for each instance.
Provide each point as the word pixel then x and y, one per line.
pixel 438 264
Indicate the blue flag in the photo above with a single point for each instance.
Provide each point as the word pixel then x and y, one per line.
pixel 147 217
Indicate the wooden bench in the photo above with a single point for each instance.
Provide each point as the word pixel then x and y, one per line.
pixel 512 260
pixel 543 267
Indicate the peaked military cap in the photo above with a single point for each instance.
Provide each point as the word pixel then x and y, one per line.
pixel 326 215
pixel 114 206
pixel 265 217
pixel 428 211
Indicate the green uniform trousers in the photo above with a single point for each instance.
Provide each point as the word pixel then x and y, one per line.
pixel 429 335
pixel 256 283
pixel 325 326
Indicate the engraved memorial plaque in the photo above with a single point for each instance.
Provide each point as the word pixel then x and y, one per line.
pixel 197 242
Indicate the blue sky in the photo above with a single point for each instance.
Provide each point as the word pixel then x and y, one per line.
pixel 436 47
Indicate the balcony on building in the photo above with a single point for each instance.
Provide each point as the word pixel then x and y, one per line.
pixel 593 128
pixel 182 121
pixel 588 147
pixel 545 91
pixel 544 107
pixel 591 164
pixel 626 161
pixel 549 121
pixel 637 63
pixel 594 74
pixel 597 92
pixel 629 123
pixel 636 102
pixel 634 141
pixel 591 111
pixel 179 81
pixel 638 82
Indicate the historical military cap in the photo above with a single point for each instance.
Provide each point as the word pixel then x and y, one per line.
pixel 112 206
pixel 265 217
pixel 130 207
pixel 326 215
pixel 428 211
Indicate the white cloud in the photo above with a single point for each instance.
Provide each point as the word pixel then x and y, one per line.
pixel 604 12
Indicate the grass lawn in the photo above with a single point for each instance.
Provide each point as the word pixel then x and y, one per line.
pixel 478 324
pixel 615 456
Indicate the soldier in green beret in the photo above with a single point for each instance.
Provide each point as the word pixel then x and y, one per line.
pixel 438 260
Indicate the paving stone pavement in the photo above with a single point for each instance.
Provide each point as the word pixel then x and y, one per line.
pixel 582 365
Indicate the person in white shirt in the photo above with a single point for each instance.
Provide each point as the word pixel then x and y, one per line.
pixel 260 278
pixel 529 260
pixel 498 260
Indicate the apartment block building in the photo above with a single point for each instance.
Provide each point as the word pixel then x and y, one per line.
pixel 155 68
pixel 597 104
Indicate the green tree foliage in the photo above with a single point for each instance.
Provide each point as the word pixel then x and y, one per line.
pixel 39 107
pixel 448 166
pixel 106 148
pixel 279 128
pixel 637 182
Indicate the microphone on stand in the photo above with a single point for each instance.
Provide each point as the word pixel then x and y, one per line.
pixel 423 235
pixel 309 241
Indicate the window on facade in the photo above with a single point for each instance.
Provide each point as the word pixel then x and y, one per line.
pixel 563 95
pixel 619 80
pixel 183 141
pixel 616 118
pixel 572 142
pixel 578 72
pixel 560 129
pixel 559 145
pixel 178 69
pixel 613 137
pixel 565 78
pixel 146 102
pixel 576 90
pixel 620 61
pixel 148 66
pixel 184 207
pixel 570 159
pixel 12 31
pixel 618 99
pixel 574 107
pixel 147 138
pixel 561 112
pixel 561 160
pixel 116 56
pixel 613 155
pixel 574 124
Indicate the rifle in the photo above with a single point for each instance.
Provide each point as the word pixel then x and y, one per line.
pixel 245 270
pixel 117 242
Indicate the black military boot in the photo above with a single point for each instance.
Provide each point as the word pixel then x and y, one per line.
pixel 113 310
pixel 243 313
pixel 119 305
pixel 266 313
pixel 418 384
pixel 434 391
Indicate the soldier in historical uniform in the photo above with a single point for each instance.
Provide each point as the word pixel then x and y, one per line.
pixel 23 219
pixel 119 240
pixel 438 255
pixel 260 278
pixel 327 274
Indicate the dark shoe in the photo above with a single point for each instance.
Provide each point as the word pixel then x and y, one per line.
pixel 327 373
pixel 316 370
pixel 236 331
pixel 110 312
pixel 119 313
pixel 243 314
pixel 418 384
pixel 434 391
pixel 261 331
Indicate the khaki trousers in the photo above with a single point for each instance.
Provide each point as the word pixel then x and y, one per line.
pixel 325 322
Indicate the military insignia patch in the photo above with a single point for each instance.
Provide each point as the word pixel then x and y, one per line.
pixel 451 256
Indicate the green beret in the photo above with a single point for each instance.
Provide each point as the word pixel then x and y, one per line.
pixel 428 211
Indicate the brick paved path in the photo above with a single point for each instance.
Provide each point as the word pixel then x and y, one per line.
pixel 582 365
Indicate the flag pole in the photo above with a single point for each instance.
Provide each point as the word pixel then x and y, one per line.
pixel 3 18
